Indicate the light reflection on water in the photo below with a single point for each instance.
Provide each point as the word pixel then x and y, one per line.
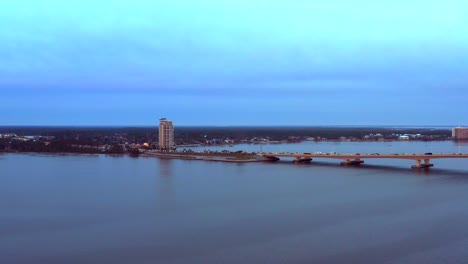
pixel 111 209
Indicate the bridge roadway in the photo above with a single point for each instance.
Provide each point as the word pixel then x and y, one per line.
pixel 356 159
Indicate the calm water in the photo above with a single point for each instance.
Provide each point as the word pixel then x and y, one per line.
pixel 111 209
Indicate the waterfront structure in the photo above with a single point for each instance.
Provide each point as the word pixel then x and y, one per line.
pixel 460 133
pixel 357 159
pixel 166 135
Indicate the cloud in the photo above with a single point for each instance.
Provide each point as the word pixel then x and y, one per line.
pixel 253 53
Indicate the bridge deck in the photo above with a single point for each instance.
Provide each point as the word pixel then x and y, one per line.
pixel 367 156
pixel 356 159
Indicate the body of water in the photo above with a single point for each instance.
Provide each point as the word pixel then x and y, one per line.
pixel 119 209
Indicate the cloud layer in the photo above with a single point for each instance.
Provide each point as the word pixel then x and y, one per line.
pixel 233 62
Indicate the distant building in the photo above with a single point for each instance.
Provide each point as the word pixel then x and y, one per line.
pixel 460 133
pixel 166 135
pixel 403 137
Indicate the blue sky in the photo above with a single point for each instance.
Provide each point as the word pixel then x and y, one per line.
pixel 252 62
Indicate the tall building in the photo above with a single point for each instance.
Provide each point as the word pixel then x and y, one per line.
pixel 166 135
pixel 460 133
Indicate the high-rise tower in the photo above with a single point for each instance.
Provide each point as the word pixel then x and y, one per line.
pixel 460 133
pixel 166 135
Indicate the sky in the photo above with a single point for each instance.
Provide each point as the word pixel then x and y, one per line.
pixel 227 63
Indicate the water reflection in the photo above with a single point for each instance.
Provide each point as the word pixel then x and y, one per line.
pixel 165 167
pixel 422 171
pixel 461 146
pixel 461 143
pixel 235 213
pixel 372 168
pixel 166 192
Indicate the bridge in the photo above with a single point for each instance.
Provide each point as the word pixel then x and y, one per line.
pixel 421 160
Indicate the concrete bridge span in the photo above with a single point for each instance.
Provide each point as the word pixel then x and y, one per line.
pixel 421 160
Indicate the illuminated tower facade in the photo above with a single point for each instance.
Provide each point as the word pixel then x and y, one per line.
pixel 166 135
pixel 460 133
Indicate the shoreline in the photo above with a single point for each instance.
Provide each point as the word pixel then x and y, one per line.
pixel 224 157
pixel 199 157
pixel 228 159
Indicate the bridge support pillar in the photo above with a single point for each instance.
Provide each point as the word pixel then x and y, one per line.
pixel 420 165
pixel 302 160
pixel 351 162
pixel 271 158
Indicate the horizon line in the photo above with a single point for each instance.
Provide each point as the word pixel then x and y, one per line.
pixel 266 126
